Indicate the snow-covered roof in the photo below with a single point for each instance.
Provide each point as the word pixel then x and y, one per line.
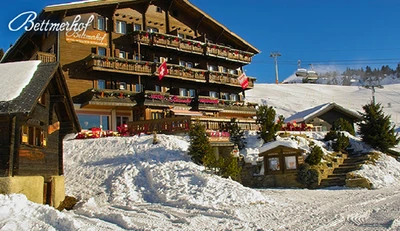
pixel 285 143
pixel 14 77
pixel 311 113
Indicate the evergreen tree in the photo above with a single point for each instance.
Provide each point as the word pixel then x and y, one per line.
pixel 199 143
pixel 398 70
pixel 236 133
pixel 343 125
pixel 341 143
pixel 266 120
pixel 1 53
pixel 376 129
pixel 315 156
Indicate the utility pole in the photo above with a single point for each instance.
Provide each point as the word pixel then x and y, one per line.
pixel 275 55
pixel 372 86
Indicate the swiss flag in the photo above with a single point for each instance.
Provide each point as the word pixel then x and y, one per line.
pixel 162 70
pixel 243 80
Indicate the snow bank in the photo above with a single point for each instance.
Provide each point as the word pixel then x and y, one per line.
pixel 384 172
pixel 125 171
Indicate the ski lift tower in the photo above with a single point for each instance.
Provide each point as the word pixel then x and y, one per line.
pixel 275 55
pixel 372 85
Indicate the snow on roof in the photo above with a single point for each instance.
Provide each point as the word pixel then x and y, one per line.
pixel 14 77
pixel 72 3
pixel 274 144
pixel 304 115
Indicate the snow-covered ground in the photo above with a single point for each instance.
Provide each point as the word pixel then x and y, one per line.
pixel 128 183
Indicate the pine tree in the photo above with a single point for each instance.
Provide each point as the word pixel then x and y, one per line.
pixel 1 53
pixel 266 120
pixel 343 125
pixel 376 129
pixel 315 156
pixel 236 133
pixel 199 143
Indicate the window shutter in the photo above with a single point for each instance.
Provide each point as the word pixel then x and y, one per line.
pixel 115 26
pixel 95 50
pixel 108 85
pixel 116 53
pixel 129 27
pixel 95 21
pixel 106 23
pixel 108 53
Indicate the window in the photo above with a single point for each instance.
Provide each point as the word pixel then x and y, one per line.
pixel 157 115
pixel 189 64
pixel 192 93
pixel 183 92
pixel 122 54
pixel 182 63
pixel 225 96
pixel 94 121
pixel 33 136
pixel 137 27
pixel 180 35
pixel 224 69
pixel 101 23
pixel 156 60
pixel 157 88
pixel 122 86
pixel 101 51
pixel 234 97
pixel 136 57
pixel 101 84
pixel 121 27
pixel 233 71
pixel 274 164
pixel 212 68
pixel 290 162
pixel 213 94
pixel 158 9
pixel 152 29
pixel 139 87
pixel 122 120
pixel 189 37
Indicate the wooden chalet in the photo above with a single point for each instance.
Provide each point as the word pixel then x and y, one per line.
pixel 111 67
pixel 36 112
pixel 323 117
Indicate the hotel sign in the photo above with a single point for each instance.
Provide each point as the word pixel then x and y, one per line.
pixel 92 37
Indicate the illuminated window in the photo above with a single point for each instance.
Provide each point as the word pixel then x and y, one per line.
pixel 33 136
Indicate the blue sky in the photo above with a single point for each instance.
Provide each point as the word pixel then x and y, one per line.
pixel 330 34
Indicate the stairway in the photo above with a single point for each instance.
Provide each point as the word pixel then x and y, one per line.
pixel 338 178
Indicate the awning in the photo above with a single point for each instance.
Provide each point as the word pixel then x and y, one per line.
pixel 186 112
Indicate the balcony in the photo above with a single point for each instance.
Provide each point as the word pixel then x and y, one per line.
pixel 102 63
pixel 176 71
pixel 228 53
pixel 227 78
pixel 192 46
pixel 45 57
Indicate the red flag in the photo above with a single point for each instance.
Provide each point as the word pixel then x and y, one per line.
pixel 243 80
pixel 162 70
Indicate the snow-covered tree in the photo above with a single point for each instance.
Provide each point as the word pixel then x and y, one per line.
pixel 376 129
pixel 199 143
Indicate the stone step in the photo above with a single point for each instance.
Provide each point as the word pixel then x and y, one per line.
pixel 345 169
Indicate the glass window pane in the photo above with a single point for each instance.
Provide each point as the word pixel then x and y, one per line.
pixel 89 121
pixel 157 88
pixel 101 84
pixel 137 27
pixel 100 23
pixel 192 93
pixel 213 94
pixel 182 92
pixel 102 51
pixel 290 162
pixel 274 164
pixel 104 123
pixel 122 54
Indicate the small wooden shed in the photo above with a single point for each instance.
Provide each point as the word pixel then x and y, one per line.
pixel 36 113
pixel 281 157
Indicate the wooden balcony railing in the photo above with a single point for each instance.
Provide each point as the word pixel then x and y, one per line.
pixel 97 62
pixel 228 53
pixel 166 125
pixel 192 46
pixel 186 73
pixel 46 57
